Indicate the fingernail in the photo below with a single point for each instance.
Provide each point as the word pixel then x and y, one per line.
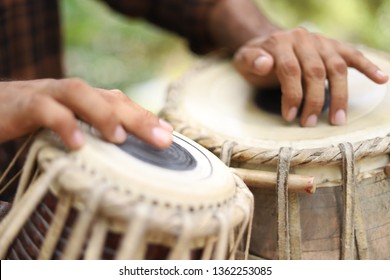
pixel 340 117
pixel 380 74
pixel 120 134
pixel 78 138
pixel 292 113
pixel 161 135
pixel 166 125
pixel 311 121
pixel 260 61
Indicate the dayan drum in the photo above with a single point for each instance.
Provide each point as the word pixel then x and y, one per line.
pixel 320 193
pixel 125 202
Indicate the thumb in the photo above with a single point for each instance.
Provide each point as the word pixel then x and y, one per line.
pixel 254 60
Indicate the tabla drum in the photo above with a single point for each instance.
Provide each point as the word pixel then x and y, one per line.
pixel 127 201
pixel 320 193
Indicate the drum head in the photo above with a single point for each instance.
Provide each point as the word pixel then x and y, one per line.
pixel 217 99
pixel 185 175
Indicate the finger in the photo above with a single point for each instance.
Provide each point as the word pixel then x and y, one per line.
pixel 337 71
pixel 253 60
pixel 53 115
pixel 139 121
pixel 314 75
pixel 146 126
pixel 356 59
pixel 289 74
pixel 82 99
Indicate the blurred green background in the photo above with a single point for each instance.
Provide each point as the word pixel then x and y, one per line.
pixel 112 51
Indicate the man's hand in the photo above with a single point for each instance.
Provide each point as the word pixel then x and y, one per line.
pixel 299 62
pixel 56 104
pixel 296 60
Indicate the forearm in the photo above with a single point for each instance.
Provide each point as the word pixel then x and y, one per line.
pixel 232 23
pixel 187 18
pixel 207 24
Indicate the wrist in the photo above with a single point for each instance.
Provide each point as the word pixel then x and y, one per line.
pixel 232 23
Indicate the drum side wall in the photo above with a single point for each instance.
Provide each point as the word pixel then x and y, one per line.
pixel 320 221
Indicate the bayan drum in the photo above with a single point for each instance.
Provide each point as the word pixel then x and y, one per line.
pixel 127 201
pixel 320 193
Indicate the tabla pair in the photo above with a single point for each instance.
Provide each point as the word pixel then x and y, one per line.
pixel 310 193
